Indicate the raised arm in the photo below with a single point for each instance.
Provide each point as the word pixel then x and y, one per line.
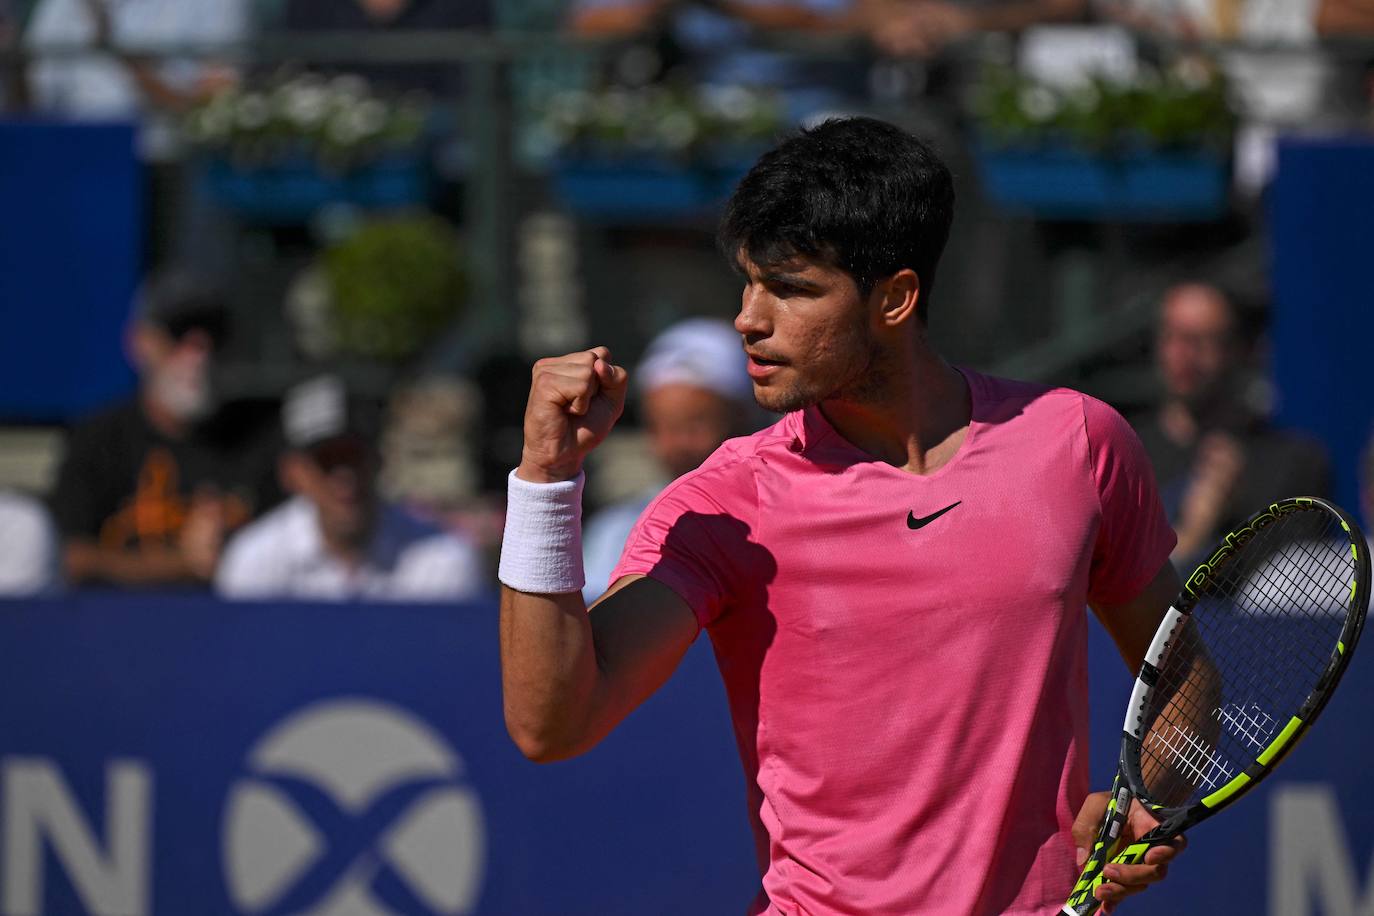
pixel 569 676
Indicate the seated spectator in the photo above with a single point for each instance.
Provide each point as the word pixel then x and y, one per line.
pixel 1287 82
pixel 145 494
pixel 28 547
pixel 924 27
pixel 115 80
pixel 694 393
pixel 1217 458
pixel 335 539
pixel 715 41
pixel 382 16
pixel 13 89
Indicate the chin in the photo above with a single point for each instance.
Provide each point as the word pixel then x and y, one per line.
pixel 783 400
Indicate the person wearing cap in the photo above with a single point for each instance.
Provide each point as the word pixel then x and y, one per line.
pixel 694 393
pixel 336 539
pixel 145 494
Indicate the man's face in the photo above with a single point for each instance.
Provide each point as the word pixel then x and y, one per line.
pixel 339 477
pixel 807 332
pixel 175 369
pixel 1196 347
pixel 686 424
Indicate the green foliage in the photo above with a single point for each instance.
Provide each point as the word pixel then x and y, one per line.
pixel 395 284
pixel 338 122
pixel 660 120
pixel 1186 106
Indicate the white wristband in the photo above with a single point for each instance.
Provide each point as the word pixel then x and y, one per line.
pixel 541 551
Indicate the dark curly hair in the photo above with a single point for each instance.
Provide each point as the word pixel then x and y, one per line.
pixel 854 193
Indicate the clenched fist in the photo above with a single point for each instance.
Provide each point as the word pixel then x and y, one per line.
pixel 574 402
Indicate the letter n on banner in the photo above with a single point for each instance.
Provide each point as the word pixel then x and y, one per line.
pixel 38 805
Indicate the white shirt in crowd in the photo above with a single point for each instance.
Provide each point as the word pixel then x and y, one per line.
pixel 28 547
pixel 97 86
pixel 282 555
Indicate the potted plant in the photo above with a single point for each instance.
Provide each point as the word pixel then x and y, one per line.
pixel 655 151
pixel 279 152
pixel 381 293
pixel 1155 147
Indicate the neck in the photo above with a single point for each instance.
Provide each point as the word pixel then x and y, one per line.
pixel 917 423
pixel 162 419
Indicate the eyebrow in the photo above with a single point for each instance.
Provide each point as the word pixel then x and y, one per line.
pixel 791 279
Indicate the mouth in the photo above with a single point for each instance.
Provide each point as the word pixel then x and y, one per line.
pixel 761 367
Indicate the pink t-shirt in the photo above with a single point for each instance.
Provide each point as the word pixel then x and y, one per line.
pixel 910 703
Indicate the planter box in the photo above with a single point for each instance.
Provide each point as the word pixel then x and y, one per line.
pixel 291 192
pixel 1056 182
pixel 645 188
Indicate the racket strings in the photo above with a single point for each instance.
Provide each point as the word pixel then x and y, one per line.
pixel 1257 643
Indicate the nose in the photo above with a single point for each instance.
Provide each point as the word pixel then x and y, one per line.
pixel 754 321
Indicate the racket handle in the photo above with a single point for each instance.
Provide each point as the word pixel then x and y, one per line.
pixel 1082 902
pixel 1135 853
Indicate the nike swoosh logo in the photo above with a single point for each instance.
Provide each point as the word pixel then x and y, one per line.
pixel 913 522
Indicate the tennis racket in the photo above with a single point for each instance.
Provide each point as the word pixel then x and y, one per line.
pixel 1239 668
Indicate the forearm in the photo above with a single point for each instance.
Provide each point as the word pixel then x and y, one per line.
pixel 549 674
pixel 1012 17
pixel 85 562
pixel 1337 17
pixel 785 16
pixel 629 18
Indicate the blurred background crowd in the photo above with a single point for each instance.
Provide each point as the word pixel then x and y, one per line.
pixel 273 272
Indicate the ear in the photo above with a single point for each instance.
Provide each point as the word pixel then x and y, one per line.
pixel 899 298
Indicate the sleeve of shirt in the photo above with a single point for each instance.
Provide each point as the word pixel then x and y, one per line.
pixel 1133 537
pixel 248 568
pixel 691 542
pixel 76 498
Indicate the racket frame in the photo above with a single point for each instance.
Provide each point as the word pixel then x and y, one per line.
pixel 1129 783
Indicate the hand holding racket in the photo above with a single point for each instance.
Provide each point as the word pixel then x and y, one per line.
pixel 1239 668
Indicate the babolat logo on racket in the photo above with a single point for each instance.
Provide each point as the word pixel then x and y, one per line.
pixel 1202 576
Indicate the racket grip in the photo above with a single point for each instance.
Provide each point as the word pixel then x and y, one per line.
pixel 1134 854
pixel 1082 902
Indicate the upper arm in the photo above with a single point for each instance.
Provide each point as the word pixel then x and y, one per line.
pixel 641 629
pixel 1132 623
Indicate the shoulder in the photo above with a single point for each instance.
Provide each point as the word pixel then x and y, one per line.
pixel 1004 400
pixel 114 420
pixel 420 539
pixel 728 478
pixel 281 532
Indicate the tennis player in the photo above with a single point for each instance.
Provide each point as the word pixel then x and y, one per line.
pixel 893 576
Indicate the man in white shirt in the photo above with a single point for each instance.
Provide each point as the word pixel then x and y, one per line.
pixel 336 539
pixel 28 547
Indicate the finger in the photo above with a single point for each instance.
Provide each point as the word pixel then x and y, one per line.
pixel 1134 877
pixel 611 376
pixel 1165 852
pixel 1088 823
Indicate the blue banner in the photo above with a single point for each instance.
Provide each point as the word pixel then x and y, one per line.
pixel 71 243
pixel 183 756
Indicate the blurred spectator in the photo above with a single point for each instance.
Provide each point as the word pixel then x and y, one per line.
pixel 145 496
pixel 120 79
pixel 924 27
pixel 713 41
pixel 1216 457
pixel 336 539
pixel 13 90
pixel 694 393
pixel 28 547
pixel 381 16
pixel 1289 83
pixel 1367 489
pixel 1345 17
